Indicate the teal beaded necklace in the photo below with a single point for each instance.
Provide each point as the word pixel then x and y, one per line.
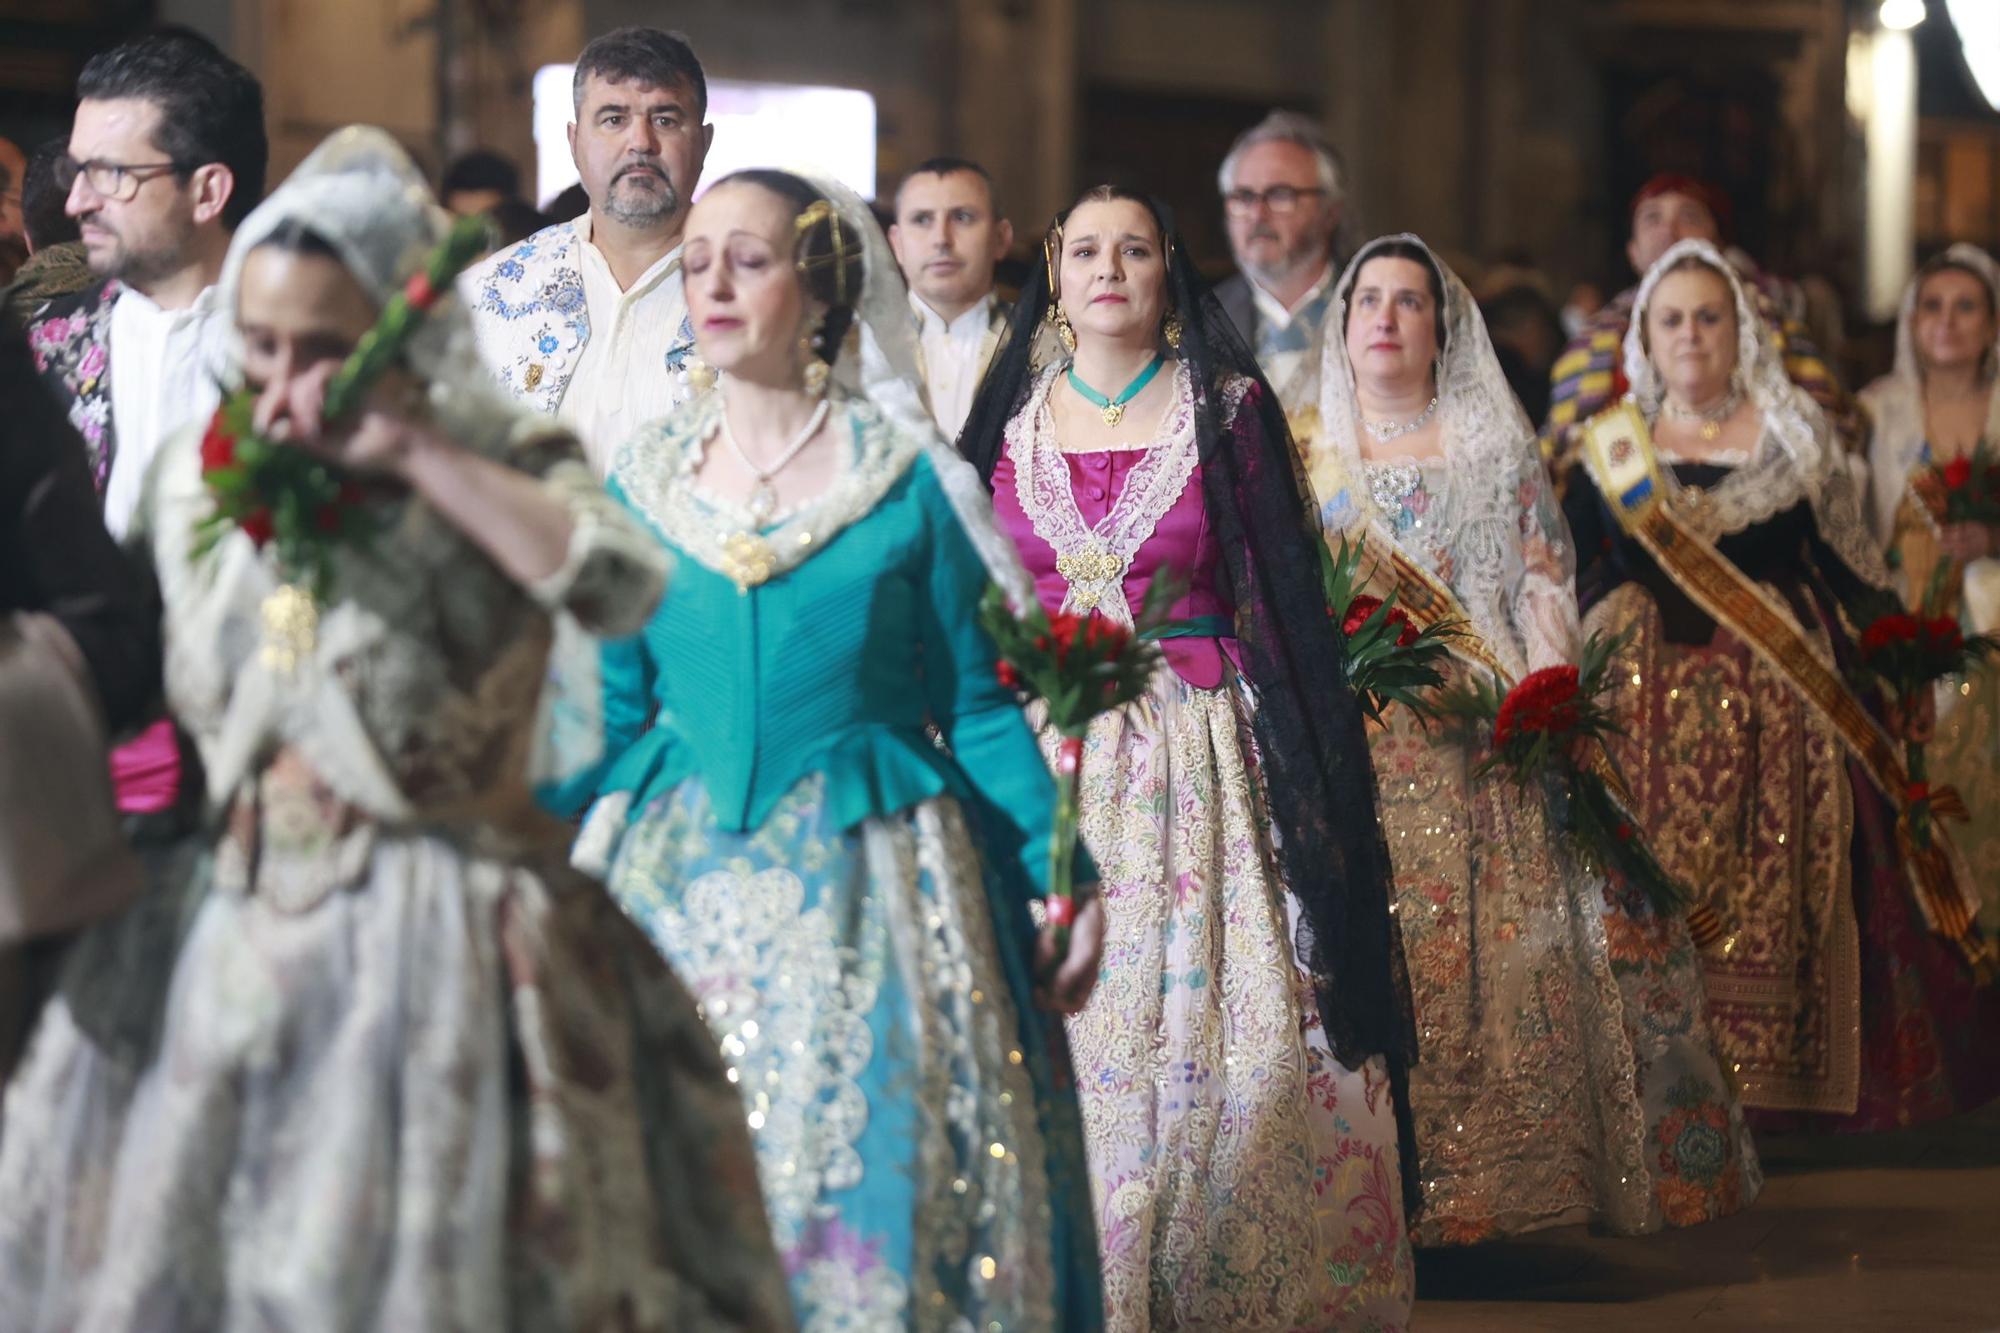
pixel 1113 409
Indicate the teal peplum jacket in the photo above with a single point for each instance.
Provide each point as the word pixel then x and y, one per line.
pixel 865 631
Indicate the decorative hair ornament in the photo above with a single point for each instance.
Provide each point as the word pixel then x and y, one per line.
pixel 818 211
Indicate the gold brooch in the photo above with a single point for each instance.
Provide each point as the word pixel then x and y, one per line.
pixel 1090 573
pixel 748 559
pixel 534 376
pixel 291 627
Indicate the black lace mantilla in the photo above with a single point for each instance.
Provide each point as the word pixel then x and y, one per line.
pixel 1319 777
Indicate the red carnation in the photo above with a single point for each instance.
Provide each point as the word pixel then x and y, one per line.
pixel 1544 701
pixel 1358 611
pixel 419 292
pixel 218 446
pixel 1957 473
pixel 1063 629
pixel 1886 631
pixel 1004 671
pixel 1942 635
pixel 258 527
pixel 1406 633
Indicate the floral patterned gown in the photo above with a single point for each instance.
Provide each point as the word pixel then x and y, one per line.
pixel 1567 1071
pixel 379 1060
pixel 1244 1179
pixel 811 864
pixel 1835 1006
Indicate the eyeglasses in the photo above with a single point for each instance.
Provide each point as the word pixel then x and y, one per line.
pixel 1279 199
pixel 115 181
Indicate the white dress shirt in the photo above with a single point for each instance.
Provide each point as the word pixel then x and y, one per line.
pixel 163 369
pixel 1275 313
pixel 954 359
pixel 621 380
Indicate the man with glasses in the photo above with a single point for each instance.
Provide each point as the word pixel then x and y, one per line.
pixel 166 155
pixel 1283 197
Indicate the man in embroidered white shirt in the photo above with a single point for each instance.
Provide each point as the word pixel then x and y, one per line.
pixel 166 155
pixel 588 319
pixel 1283 197
pixel 948 235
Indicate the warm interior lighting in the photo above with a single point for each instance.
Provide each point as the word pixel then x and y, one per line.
pixel 1902 15
pixel 1978 24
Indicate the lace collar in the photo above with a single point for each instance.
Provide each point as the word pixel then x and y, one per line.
pixel 1094 559
pixel 656 471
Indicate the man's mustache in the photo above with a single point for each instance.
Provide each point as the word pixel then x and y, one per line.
pixel 1264 234
pixel 637 168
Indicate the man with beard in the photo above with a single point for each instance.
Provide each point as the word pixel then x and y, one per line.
pixel 588 319
pixel 1283 196
pixel 166 155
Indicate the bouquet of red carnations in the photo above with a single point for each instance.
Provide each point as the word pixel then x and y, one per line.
pixel 304 505
pixel 1080 667
pixel 1909 654
pixel 1543 731
pixel 1389 659
pixel 1964 489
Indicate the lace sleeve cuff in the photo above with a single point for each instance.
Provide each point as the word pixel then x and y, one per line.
pixel 614 573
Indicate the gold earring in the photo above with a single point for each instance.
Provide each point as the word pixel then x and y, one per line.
pixel 816 369
pixel 1064 333
pixel 1172 331
pixel 700 375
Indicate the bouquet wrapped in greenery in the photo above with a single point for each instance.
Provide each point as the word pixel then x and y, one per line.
pixel 1544 730
pixel 1080 667
pixel 1389 659
pixel 304 505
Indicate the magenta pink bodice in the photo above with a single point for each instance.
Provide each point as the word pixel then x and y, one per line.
pixel 1182 539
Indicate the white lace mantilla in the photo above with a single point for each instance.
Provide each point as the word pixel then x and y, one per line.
pixel 1795 457
pixel 1493 531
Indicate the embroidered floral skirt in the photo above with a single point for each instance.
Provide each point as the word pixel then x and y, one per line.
pixel 1243 1178
pixel 921 1161
pixel 447 1093
pixel 1566 1071
pixel 1966 756
pixel 1833 1004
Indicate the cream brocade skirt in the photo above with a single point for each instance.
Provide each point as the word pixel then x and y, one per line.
pixel 1243 1178
pixel 1567 1071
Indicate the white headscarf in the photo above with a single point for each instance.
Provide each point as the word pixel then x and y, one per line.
pixel 1488 443
pixel 1895 402
pixel 1795 456
pixel 361 194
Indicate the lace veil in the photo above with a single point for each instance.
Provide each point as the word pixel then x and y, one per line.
pixel 1490 449
pixel 1895 402
pixel 1795 457
pixel 361 194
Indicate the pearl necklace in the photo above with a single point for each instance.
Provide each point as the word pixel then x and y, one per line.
pixel 1384 431
pixel 1707 424
pixel 763 502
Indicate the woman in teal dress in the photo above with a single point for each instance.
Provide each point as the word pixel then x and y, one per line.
pixel 847 898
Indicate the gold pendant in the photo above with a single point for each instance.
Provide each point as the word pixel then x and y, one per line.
pixel 1113 413
pixel 291 628
pixel 1710 429
pixel 748 559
